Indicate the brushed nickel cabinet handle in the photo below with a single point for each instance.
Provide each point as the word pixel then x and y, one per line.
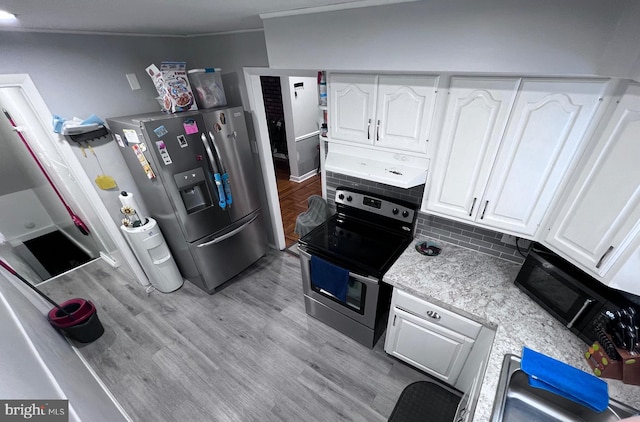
pixel 378 131
pixel 473 206
pixel 604 255
pixel 484 210
pixel 433 314
pixel 368 127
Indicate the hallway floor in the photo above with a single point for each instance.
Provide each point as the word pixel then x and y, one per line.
pixel 247 353
pixel 293 200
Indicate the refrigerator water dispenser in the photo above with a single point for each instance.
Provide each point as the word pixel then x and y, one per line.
pixel 193 189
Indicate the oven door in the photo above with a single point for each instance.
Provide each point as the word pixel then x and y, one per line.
pixel 362 294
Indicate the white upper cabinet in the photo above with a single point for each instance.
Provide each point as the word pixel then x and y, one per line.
pixel 386 111
pixel 545 132
pixel 404 111
pixel 352 107
pixel 501 161
pixel 476 114
pixel 600 215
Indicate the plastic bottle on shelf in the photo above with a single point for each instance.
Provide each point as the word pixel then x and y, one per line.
pixel 322 84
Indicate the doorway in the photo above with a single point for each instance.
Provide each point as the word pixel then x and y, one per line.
pixel 34 221
pixel 287 119
pixel 40 238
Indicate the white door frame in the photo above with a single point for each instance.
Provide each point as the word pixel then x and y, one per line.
pixel 256 108
pixel 89 198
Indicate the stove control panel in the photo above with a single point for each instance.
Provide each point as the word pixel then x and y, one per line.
pixel 372 203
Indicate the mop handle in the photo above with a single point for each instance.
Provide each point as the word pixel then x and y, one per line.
pixel 26 144
pixel 34 288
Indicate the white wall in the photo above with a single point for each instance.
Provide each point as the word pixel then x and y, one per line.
pixel 23 216
pixel 13 159
pixel 621 57
pixel 491 36
pixel 82 74
pixel 231 52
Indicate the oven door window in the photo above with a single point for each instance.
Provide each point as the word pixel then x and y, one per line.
pixel 356 293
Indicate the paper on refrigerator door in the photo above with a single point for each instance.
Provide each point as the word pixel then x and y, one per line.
pixel 131 136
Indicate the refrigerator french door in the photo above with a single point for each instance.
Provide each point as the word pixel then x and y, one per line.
pixel 196 176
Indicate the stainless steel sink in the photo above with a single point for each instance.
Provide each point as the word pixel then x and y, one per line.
pixel 517 401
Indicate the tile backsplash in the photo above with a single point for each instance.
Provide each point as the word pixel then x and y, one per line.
pixel 465 235
pixel 468 236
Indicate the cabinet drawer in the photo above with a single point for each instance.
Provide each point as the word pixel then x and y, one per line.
pixel 436 315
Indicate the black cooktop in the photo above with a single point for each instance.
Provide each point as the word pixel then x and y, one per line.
pixel 356 245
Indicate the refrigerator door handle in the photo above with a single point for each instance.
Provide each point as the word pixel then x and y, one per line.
pixel 230 234
pixel 216 172
pixel 223 169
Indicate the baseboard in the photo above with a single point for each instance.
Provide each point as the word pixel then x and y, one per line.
pixel 300 179
pixel 109 259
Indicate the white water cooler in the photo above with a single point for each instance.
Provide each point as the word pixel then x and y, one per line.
pixel 154 256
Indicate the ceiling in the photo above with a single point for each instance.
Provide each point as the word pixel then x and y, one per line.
pixel 157 17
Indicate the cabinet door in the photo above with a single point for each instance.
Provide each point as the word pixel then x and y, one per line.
pixel 543 137
pixel 433 349
pixel 464 413
pixel 404 112
pixel 602 209
pixel 476 115
pixel 352 100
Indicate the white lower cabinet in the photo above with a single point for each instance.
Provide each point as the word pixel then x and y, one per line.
pixel 464 413
pixel 428 337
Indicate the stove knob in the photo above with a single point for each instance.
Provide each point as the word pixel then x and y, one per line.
pixel 395 211
pixel 349 198
pixel 405 213
pixel 341 196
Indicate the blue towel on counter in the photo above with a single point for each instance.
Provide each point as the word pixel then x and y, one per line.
pixel 330 278
pixel 564 380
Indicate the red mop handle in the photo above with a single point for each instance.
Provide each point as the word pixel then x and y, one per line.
pixel 8 268
pixel 76 220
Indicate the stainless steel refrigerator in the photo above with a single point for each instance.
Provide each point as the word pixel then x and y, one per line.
pixel 196 175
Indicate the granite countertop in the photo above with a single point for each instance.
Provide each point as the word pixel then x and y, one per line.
pixel 481 288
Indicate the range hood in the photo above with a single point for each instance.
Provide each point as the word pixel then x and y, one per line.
pixel 390 168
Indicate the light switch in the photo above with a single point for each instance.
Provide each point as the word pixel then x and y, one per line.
pixel 133 81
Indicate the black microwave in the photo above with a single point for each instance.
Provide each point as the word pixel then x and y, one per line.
pixel 567 293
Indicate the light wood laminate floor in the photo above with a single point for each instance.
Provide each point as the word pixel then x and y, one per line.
pixel 247 353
